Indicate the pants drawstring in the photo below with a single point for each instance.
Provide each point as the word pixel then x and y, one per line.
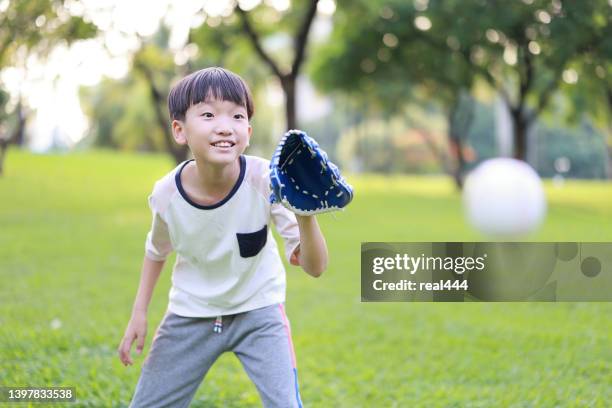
pixel 218 327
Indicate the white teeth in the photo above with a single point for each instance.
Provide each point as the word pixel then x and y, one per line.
pixel 222 144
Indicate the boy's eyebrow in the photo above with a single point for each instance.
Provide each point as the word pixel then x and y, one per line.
pixel 209 103
pixel 197 105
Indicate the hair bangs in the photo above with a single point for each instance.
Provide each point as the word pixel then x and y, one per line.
pixel 208 84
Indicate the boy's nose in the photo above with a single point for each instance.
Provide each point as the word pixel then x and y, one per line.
pixel 223 128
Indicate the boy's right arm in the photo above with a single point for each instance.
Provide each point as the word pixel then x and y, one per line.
pixel 137 326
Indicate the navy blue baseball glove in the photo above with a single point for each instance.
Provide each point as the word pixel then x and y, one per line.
pixel 303 179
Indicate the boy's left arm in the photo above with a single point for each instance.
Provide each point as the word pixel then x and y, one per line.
pixel 311 254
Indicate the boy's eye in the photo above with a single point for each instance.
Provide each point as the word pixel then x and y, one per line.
pixel 239 116
pixel 207 115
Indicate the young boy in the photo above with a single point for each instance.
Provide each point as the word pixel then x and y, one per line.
pixel 228 282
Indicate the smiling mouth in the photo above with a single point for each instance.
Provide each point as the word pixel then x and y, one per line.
pixel 223 144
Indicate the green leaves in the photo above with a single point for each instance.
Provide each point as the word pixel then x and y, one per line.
pixel 37 26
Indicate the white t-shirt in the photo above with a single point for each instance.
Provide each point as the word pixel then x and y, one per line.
pixel 227 260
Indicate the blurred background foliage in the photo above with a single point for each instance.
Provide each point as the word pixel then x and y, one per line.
pixel 423 86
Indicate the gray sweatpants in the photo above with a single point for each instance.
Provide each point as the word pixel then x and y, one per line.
pixel 184 349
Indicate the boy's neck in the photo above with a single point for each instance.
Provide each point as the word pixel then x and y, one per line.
pixel 215 180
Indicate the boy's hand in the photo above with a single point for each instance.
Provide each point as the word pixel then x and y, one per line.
pixel 136 330
pixel 295 257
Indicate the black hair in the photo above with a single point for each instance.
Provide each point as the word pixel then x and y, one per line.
pixel 214 82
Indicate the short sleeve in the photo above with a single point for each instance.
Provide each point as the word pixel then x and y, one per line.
pixel 287 227
pixel 158 244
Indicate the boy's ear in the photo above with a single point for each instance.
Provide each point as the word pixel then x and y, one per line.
pixel 178 131
pixel 249 136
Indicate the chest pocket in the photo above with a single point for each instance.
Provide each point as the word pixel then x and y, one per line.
pixel 251 243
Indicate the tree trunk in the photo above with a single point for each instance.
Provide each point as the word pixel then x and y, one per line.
pixel 608 140
pixel 287 80
pixel 609 163
pixel 288 85
pixel 458 171
pixel 3 147
pixel 179 153
pixel 17 137
pixel 520 135
pixel 456 148
pixel 459 122
pixel 609 175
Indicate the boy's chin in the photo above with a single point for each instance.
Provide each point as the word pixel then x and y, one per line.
pixel 220 159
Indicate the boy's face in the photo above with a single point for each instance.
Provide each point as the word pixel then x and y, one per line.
pixel 217 132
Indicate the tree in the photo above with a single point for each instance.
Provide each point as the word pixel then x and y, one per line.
pixel 122 115
pixel 155 63
pixel 234 41
pixel 10 132
pixel 590 88
pixel 287 78
pixel 521 49
pixel 33 27
pixel 391 63
pixel 132 113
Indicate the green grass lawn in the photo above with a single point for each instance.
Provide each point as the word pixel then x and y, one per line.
pixel 72 231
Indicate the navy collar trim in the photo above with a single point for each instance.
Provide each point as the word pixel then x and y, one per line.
pixel 179 185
